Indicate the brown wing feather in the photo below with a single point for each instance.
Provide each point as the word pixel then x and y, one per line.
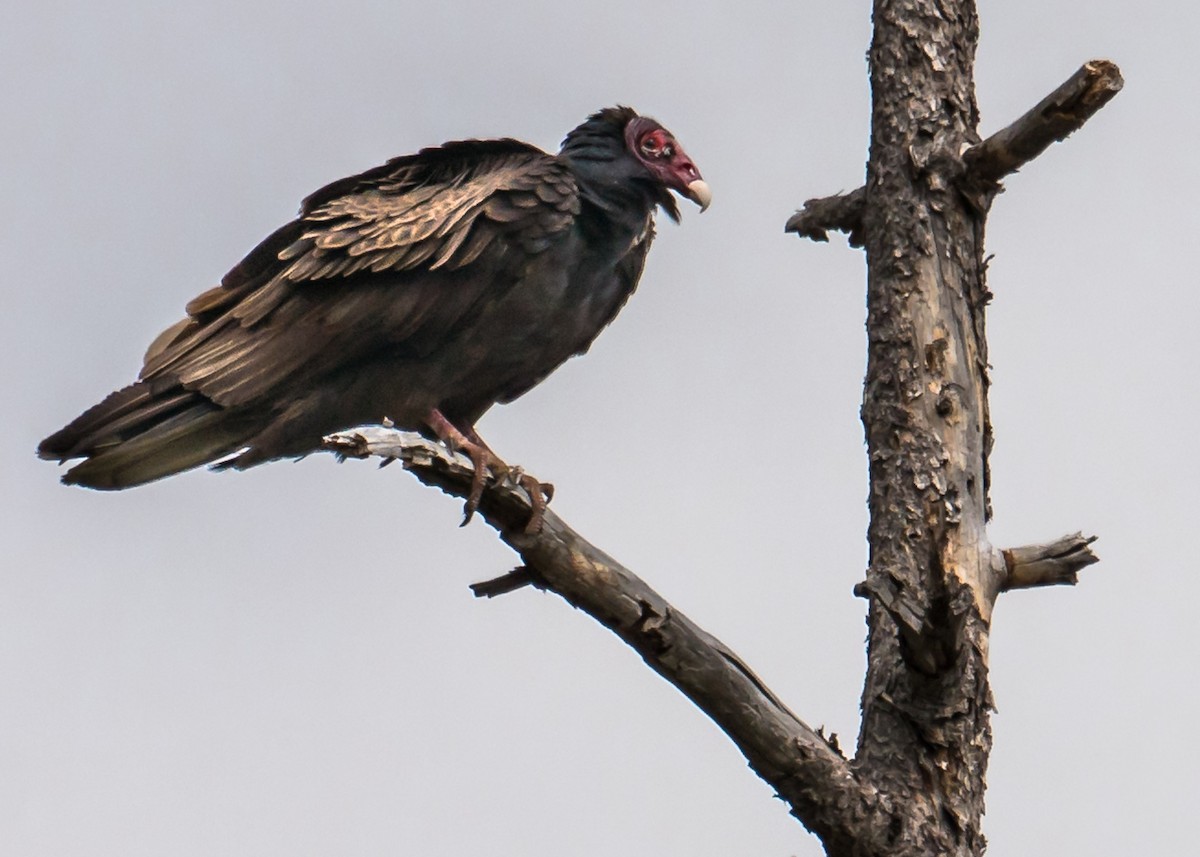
pixel 393 258
pixel 406 223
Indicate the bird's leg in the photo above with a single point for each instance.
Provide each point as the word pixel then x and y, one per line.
pixel 484 460
pixel 540 493
pixel 481 457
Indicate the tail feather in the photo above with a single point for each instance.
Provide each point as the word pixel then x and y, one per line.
pixel 137 435
pixel 71 442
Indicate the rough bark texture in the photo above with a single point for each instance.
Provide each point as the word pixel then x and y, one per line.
pixel 841 212
pixel 1056 563
pixel 807 769
pixel 1057 116
pixel 915 787
pixel 925 734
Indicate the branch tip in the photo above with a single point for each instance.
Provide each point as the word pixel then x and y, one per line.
pixel 1056 563
pixel 512 581
pixel 806 768
pixel 1057 116
pixel 840 212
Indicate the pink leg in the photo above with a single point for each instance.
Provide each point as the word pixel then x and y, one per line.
pixel 482 457
pixel 484 460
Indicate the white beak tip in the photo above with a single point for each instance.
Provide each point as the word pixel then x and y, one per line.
pixel 699 193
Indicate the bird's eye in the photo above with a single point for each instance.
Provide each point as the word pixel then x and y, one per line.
pixel 657 144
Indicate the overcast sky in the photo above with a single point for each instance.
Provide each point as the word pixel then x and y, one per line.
pixel 288 661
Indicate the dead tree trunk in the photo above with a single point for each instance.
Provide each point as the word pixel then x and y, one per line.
pixel 916 783
pixel 925 736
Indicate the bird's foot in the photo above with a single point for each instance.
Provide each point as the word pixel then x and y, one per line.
pixel 486 462
pixel 540 493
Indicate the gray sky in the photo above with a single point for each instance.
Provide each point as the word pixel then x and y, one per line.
pixel 288 661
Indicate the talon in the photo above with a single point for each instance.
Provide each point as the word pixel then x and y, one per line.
pixel 486 463
pixel 482 458
pixel 540 493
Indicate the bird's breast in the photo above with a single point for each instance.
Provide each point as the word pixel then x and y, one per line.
pixel 554 310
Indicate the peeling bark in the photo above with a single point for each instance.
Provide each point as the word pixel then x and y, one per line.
pixel 807 770
pixel 1053 564
pixel 841 212
pixel 915 787
pixel 925 734
pixel 1057 116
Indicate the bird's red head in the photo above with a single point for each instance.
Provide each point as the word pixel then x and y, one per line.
pixel 661 154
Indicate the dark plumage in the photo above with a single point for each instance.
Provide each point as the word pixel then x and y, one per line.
pixel 424 290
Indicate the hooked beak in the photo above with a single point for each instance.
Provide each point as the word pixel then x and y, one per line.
pixel 699 193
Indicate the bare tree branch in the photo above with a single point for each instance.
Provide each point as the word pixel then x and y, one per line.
pixel 842 212
pixel 516 579
pixel 804 766
pixel 917 781
pixel 1057 116
pixel 1052 564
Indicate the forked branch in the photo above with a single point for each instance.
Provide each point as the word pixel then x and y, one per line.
pixel 1057 116
pixel 807 771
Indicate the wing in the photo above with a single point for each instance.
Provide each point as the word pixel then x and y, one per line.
pixel 393 258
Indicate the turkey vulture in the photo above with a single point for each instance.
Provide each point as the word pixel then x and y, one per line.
pixel 424 290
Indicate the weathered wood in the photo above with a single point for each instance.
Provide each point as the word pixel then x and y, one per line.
pixel 1055 563
pixel 915 787
pixel 1056 117
pixel 925 734
pixel 841 213
pixel 803 766
pixel 516 579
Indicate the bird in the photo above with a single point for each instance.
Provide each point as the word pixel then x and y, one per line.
pixel 422 291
